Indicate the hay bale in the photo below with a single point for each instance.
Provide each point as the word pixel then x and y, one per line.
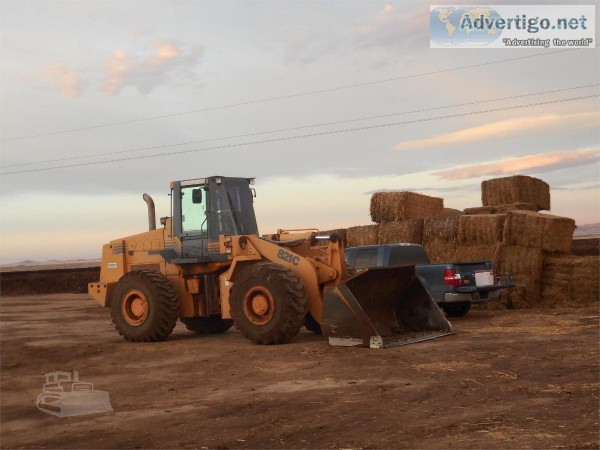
pixel 361 235
pixel 552 234
pixel 410 231
pixel 524 264
pixel 440 238
pixel 451 212
pixel 569 281
pixel 480 229
pixel 395 206
pixel 516 189
pixel 501 209
pixel 475 253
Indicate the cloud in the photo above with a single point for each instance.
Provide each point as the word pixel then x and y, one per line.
pixel 503 128
pixel 124 69
pixel 543 162
pixel 391 27
pixel 66 80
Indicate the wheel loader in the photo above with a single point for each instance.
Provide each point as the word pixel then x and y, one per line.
pixel 208 267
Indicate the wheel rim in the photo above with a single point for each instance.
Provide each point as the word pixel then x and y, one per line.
pixel 259 305
pixel 134 307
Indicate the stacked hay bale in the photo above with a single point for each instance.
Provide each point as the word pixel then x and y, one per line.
pixel 361 235
pixel 478 237
pixel 410 230
pixel 570 281
pixel 528 238
pixel 400 215
pixel 440 238
pixel 501 209
pixel 516 189
pixel 397 206
pixel 451 212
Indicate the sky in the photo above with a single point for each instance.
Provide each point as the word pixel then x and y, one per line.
pixel 96 94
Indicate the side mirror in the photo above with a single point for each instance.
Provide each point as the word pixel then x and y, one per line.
pixel 196 196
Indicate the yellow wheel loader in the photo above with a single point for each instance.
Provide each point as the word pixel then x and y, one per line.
pixel 208 267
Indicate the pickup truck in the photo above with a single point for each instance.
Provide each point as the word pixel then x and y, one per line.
pixel 453 286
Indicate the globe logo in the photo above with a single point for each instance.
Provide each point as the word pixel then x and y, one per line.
pixel 469 26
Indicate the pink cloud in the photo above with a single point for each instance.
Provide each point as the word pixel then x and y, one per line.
pixel 123 69
pixel 503 128
pixel 66 80
pixel 539 162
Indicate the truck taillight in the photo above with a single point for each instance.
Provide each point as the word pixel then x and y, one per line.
pixel 451 277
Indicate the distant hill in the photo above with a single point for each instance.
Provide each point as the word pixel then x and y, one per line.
pixel 591 229
pixel 52 264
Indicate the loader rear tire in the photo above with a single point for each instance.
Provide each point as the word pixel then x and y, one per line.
pixel 144 306
pixel 268 304
pixel 207 325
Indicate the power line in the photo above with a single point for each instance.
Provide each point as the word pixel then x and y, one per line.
pixel 258 133
pixel 302 136
pixel 282 97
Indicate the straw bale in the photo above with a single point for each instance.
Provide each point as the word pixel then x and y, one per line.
pixel 516 189
pixel 569 281
pixel 480 229
pixel 361 235
pixel 410 231
pixel 440 238
pixel 474 253
pixel 530 229
pixel 524 264
pixel 451 212
pixel 501 209
pixel 395 206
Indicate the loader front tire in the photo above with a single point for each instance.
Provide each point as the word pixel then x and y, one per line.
pixel 207 325
pixel 144 306
pixel 268 304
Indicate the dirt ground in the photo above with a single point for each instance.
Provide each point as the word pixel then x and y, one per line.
pixel 505 379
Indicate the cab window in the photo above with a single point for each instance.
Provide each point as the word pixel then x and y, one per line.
pixel 193 209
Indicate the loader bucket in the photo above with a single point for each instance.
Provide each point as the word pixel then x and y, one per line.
pixel 381 307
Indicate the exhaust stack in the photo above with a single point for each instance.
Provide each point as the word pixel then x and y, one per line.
pixel 151 212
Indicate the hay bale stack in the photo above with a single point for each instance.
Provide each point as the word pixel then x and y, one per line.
pixel 524 264
pixel 501 209
pixel 553 234
pixel 480 229
pixel 570 281
pixel 396 206
pixel 515 189
pixel 410 231
pixel 475 253
pixel 440 238
pixel 361 235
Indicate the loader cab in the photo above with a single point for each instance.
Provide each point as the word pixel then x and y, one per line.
pixel 204 208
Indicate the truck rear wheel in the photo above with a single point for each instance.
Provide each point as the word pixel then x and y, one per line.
pixel 207 325
pixel 456 309
pixel 144 306
pixel 268 304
